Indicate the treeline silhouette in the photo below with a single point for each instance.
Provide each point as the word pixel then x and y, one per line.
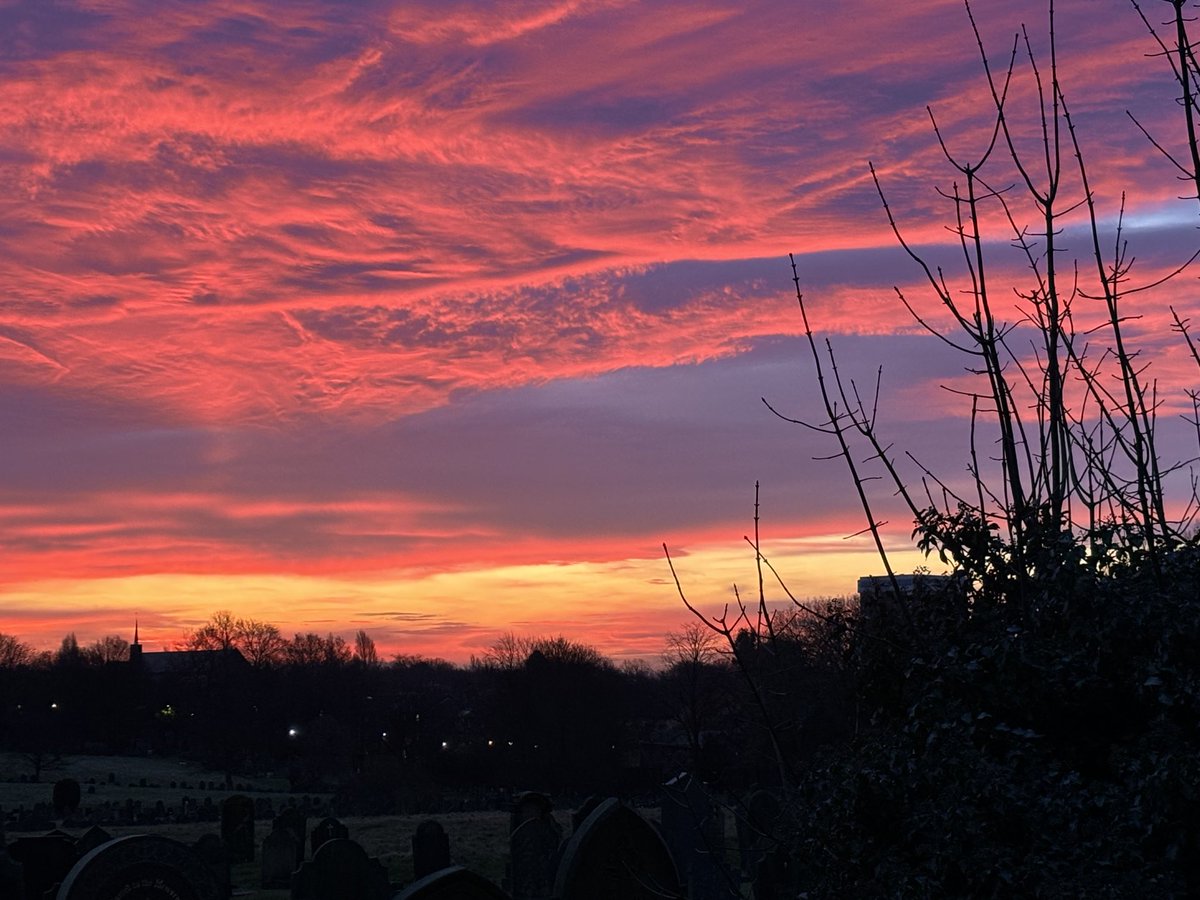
pixel 391 735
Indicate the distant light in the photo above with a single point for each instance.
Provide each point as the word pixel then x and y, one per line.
pixel 510 743
pixel 491 743
pixel 444 745
pixel 384 735
pixel 54 706
pixel 292 732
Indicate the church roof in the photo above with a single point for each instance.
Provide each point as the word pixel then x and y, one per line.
pixel 191 662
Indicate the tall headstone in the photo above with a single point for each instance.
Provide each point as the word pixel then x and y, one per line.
pixel 279 858
pixel 776 877
pixel 66 797
pixel 616 853
pixel 693 826
pixel 755 829
pixel 431 849
pixel 294 820
pixel 141 866
pixel 455 883
pixel 237 827
pixel 533 854
pixel 212 850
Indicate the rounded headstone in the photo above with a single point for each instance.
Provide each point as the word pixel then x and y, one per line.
pixel 616 853
pixel 140 867
pixel 454 883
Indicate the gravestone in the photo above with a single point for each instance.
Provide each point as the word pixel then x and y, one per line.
pixel 279 858
pixel 45 861
pixel 755 829
pixel 328 829
pixel 529 805
pixel 295 822
pixel 66 797
pixel 12 882
pixel 693 826
pixel 341 870
pixel 616 853
pixel 140 867
pixel 212 850
pixel 533 854
pixel 455 883
pixel 237 827
pixel 431 849
pixel 776 877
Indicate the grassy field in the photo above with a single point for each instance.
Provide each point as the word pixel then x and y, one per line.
pixel 128 773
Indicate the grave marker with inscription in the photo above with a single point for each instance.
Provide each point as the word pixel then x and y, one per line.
pixel 140 867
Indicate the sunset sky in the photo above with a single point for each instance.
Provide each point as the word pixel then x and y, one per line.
pixel 438 318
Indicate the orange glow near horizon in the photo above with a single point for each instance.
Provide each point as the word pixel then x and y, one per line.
pixel 624 607
pixel 437 319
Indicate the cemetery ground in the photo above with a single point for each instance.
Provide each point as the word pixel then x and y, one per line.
pixel 479 839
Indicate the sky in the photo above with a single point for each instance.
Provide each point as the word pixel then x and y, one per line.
pixel 438 319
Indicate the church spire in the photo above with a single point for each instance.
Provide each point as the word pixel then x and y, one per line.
pixel 135 649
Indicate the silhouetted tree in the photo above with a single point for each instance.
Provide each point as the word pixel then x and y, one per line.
pixel 69 653
pixel 696 685
pixel 1031 725
pixel 220 632
pixel 14 652
pixel 260 642
pixel 310 649
pixel 109 649
pixel 364 649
